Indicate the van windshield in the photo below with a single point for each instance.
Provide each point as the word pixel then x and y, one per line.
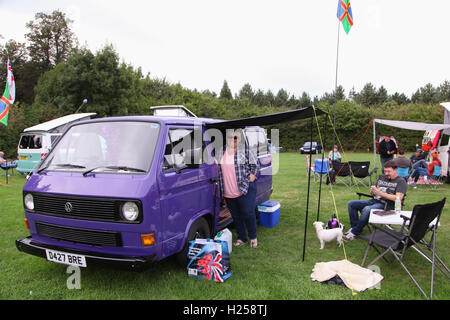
pixel 113 147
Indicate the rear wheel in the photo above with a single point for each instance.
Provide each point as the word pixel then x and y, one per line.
pixel 199 229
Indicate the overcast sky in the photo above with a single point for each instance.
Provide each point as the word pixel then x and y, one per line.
pixel 400 44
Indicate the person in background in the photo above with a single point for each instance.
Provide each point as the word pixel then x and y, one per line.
pixel 429 170
pixel 334 154
pixel 5 164
pixel 2 160
pixel 418 160
pixel 387 149
pixel 418 156
pixel 401 160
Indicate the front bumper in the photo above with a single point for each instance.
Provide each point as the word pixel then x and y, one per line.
pixel 27 245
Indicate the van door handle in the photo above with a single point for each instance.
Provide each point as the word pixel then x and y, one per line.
pixel 213 180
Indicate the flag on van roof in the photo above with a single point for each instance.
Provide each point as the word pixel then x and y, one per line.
pixel 345 15
pixel 9 95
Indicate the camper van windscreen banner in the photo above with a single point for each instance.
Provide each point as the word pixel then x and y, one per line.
pixel 8 95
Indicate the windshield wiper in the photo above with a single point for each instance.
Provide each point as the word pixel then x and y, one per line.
pixel 124 168
pixel 66 165
pixel 69 165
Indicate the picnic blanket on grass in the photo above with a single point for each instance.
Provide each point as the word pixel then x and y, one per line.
pixel 354 277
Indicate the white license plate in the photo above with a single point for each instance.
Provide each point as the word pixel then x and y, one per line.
pixel 70 259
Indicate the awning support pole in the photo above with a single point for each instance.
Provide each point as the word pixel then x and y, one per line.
pixel 309 183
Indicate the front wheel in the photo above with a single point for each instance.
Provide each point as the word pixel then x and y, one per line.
pixel 199 229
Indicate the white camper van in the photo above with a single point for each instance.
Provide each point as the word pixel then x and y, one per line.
pixel 440 140
pixel 35 142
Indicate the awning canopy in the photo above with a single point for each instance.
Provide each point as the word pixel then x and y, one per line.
pixel 269 119
pixel 419 126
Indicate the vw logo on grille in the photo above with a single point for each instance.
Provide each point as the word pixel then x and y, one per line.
pixel 68 207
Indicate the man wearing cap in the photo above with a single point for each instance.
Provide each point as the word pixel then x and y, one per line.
pixel 417 156
pixel 418 160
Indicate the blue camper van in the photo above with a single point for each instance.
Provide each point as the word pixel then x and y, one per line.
pixel 36 142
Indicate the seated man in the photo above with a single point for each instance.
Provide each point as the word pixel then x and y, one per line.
pixel 5 164
pixel 418 159
pixel 402 161
pixel 420 171
pixel 388 187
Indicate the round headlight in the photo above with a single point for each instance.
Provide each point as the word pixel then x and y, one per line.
pixel 29 201
pixel 130 211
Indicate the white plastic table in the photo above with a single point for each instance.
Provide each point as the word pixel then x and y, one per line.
pixel 393 219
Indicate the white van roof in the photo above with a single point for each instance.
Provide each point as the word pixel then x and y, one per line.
pixel 53 125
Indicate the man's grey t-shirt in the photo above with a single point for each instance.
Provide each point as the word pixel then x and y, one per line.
pixel 397 185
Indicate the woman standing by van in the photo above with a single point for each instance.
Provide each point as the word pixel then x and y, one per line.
pixel 238 170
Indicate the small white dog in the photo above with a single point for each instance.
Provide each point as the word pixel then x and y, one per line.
pixel 327 235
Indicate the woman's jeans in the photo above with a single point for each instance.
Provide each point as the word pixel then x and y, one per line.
pixel 358 223
pixel 242 210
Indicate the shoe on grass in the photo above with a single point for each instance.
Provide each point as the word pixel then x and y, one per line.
pixel 349 236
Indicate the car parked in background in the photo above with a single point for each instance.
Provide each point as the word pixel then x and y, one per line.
pixel 311 147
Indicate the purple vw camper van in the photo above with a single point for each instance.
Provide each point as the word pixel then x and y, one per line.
pixel 116 190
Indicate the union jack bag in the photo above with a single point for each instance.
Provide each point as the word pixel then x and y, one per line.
pixel 209 259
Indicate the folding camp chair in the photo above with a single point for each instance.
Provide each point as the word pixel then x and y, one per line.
pixel 339 172
pixel 8 166
pixel 320 168
pixel 436 176
pixel 404 173
pixel 360 172
pixel 397 242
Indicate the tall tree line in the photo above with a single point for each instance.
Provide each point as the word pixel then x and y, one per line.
pixel 54 74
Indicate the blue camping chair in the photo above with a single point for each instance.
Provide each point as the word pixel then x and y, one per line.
pixel 8 166
pixel 404 173
pixel 435 176
pixel 320 167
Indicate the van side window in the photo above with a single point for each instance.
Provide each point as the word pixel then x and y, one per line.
pixel 37 142
pixel 24 142
pixel 262 143
pixel 180 149
pixel 445 139
pixel 257 141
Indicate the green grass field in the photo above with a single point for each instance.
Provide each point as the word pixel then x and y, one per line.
pixel 273 271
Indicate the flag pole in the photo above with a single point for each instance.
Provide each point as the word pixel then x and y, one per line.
pixel 335 91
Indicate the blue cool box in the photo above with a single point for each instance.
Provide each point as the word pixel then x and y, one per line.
pixel 269 213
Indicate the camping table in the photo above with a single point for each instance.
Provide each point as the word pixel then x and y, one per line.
pixel 392 219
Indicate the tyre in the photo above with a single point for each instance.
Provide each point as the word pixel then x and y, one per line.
pixel 199 229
